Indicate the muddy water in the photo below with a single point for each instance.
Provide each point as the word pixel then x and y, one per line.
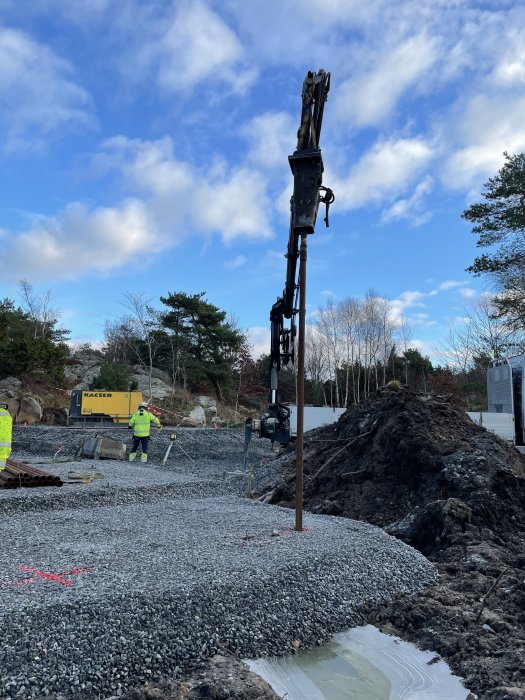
pixel 362 664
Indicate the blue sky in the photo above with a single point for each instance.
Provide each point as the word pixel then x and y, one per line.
pixel 144 149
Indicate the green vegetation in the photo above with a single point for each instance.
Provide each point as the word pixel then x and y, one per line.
pixel 200 346
pixel 499 222
pixel 29 349
pixel 114 376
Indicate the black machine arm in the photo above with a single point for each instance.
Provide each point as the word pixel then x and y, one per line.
pixel 306 164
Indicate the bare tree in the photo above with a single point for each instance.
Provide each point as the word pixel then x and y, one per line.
pixel 405 334
pixel 372 337
pixel 388 327
pixel 327 324
pixel 40 309
pixel 139 330
pixel 492 334
pixel 315 362
pixel 350 333
pixel 117 346
pixel 480 333
pixel 355 337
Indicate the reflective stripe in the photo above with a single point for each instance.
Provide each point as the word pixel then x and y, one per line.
pixel 3 412
pixel 5 444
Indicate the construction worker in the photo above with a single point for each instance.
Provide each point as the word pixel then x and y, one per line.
pixel 140 423
pixel 6 431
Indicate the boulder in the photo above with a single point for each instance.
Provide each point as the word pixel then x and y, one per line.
pixel 159 389
pixel 10 383
pixel 197 416
pixel 155 373
pixel 207 402
pixel 13 404
pixel 30 411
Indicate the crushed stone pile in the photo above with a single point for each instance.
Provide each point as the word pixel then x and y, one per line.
pixel 421 469
pixel 207 443
pixel 141 576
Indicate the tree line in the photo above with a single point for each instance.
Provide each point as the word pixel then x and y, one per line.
pixel 32 344
pixel 191 339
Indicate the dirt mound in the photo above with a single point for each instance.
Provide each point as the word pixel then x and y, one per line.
pixel 414 464
pixel 420 468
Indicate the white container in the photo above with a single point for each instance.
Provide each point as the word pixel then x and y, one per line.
pixel 314 417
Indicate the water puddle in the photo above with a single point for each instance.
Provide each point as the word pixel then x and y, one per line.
pixel 361 664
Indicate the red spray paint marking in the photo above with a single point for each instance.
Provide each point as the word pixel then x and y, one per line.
pixel 57 578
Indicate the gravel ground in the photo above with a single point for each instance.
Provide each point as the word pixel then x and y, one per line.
pixel 154 569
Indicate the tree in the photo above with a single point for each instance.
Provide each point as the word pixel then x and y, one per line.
pixel 207 343
pixel 140 330
pixel 482 333
pixel 351 348
pixel 23 353
pixel 350 319
pixel 249 381
pixel 315 364
pixel 500 224
pixel 419 368
pixel 113 377
pixel 42 314
pixel 328 328
pixel 445 381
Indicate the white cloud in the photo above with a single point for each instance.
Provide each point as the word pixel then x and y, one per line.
pixel 488 125
pixel 191 45
pixel 406 300
pixel 509 70
pixel 451 284
pixel 369 96
pixel 468 293
pixel 166 201
pixel 272 137
pixel 259 339
pixel 38 96
pixel 447 285
pixel 411 208
pixel 236 262
pixel 383 172
pixel 233 203
pixel 78 241
pixel 422 319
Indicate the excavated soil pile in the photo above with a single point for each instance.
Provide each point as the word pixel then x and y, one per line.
pixel 420 468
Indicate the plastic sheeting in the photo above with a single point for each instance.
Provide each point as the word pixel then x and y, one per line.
pixel 361 664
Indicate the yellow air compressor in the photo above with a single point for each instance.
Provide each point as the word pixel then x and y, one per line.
pixel 102 406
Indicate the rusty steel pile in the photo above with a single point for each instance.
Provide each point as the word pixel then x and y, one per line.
pixel 18 474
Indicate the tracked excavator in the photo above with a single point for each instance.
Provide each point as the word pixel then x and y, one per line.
pixel 306 164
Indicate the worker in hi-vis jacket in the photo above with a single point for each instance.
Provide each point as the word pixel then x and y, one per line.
pixel 6 431
pixel 140 423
